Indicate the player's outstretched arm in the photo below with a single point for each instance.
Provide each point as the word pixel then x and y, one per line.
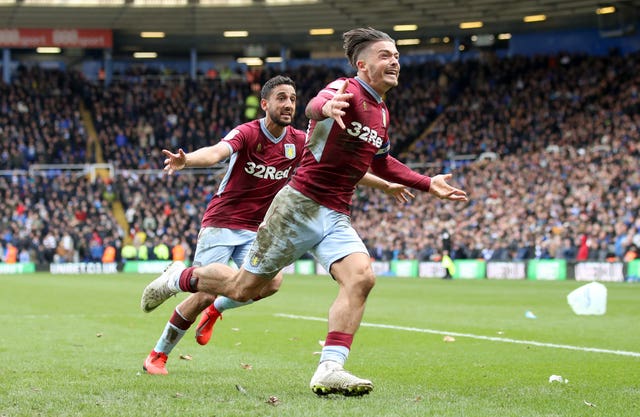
pixel 201 158
pixel 442 189
pixel 174 161
pixel 391 169
pixel 320 108
pixel 398 191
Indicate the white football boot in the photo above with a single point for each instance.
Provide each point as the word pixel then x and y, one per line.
pixel 159 290
pixel 331 378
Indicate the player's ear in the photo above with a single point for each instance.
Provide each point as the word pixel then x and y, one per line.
pixel 360 66
pixel 263 104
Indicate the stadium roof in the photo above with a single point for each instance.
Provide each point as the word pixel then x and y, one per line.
pixel 273 24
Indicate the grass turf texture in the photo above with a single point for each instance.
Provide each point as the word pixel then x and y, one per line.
pixel 74 346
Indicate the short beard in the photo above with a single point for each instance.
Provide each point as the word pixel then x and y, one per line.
pixel 282 124
pixel 279 121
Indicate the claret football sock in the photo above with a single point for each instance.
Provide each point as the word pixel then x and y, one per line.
pixel 336 347
pixel 173 332
pixel 186 281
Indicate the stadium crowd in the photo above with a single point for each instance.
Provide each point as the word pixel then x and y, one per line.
pixel 60 217
pixel 549 145
pixel 40 119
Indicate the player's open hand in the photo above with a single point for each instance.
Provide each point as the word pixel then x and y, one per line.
pixel 334 108
pixel 399 192
pixel 442 189
pixel 175 161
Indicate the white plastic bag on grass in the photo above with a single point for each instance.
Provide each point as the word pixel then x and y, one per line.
pixel 589 299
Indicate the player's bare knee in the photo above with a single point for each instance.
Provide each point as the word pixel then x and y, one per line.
pixel 268 291
pixel 241 294
pixel 366 282
pixel 272 287
pixel 361 282
pixel 204 300
pixel 247 286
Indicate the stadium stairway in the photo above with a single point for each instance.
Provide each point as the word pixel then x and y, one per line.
pixel 94 147
pixel 425 133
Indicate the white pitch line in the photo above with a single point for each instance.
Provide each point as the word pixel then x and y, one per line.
pixel 479 337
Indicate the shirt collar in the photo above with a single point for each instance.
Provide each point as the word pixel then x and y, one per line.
pixel 263 127
pixel 371 91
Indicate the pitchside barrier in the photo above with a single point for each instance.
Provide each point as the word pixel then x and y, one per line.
pixel 535 269
pixel 17 268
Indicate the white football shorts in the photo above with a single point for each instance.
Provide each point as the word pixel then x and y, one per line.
pixel 294 225
pixel 219 245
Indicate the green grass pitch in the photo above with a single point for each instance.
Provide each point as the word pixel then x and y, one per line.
pixel 74 346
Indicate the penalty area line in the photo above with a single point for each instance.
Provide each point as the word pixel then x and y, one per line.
pixel 477 337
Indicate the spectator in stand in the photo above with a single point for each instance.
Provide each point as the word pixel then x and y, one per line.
pixel 96 250
pixel 448 265
pixel 583 248
pixel 142 252
pixel 128 252
pixel 567 250
pixel 631 254
pixel 38 123
pixel 10 254
pixel 109 254
pixel 24 255
pixel 161 250
pixel 178 250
